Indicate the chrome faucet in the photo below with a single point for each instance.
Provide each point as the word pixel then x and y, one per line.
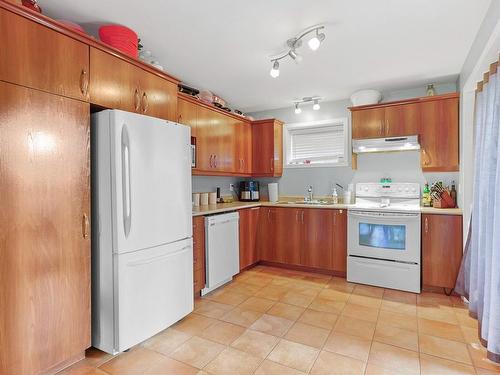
pixel 309 197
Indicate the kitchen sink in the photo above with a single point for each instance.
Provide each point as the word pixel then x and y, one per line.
pixel 313 202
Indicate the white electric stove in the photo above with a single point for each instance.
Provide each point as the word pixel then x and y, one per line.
pixel 384 236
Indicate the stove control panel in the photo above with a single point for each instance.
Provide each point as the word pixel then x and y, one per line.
pixel 391 190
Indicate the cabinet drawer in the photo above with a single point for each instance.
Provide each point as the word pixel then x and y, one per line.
pixel 35 56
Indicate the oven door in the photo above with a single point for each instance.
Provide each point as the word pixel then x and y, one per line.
pixel 384 235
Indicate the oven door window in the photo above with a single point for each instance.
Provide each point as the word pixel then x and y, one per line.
pixel 382 236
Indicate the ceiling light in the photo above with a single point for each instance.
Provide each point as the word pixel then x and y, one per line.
pixel 275 71
pixel 293 44
pixel 316 105
pixel 298 110
pixel 316 40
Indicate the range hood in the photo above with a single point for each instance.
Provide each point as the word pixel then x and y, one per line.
pixel 407 143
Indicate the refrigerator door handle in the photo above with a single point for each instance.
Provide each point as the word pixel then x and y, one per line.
pixel 126 181
pixel 157 258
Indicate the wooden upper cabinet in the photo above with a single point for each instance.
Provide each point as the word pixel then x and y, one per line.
pixel 339 264
pixel 368 123
pixel 45 221
pixel 390 121
pixel 35 56
pixel 117 84
pixel 401 120
pixel 267 148
pixel 187 114
pixel 243 139
pixel 441 249
pixel 439 134
pixel 114 83
pixel 158 97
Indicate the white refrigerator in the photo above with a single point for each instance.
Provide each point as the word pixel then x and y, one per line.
pixel 142 256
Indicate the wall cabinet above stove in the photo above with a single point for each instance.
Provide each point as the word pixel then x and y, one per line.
pixel 434 119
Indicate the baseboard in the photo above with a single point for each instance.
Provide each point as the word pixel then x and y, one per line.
pixel 64 364
pixel 295 267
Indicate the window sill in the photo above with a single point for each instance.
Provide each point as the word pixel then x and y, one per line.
pixel 305 166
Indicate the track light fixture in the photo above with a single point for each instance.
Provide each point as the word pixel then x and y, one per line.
pixel 296 42
pixel 306 100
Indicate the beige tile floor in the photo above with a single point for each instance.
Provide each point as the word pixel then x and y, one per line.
pixel 271 321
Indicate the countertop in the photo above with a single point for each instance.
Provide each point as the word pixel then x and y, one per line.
pixel 226 207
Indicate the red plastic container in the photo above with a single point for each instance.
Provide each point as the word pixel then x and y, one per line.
pixel 120 37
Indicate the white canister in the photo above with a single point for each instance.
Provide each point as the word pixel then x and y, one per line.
pixel 273 192
pixel 212 198
pixel 347 197
pixel 196 199
pixel 204 199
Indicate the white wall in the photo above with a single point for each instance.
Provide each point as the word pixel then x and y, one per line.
pixel 403 166
pixel 484 51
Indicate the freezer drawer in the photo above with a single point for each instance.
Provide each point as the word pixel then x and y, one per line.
pixel 153 289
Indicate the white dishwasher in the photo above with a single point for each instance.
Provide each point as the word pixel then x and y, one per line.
pixel 222 250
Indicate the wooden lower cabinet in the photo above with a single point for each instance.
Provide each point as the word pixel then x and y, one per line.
pixel 266 238
pixel 198 254
pixel 249 221
pixel 339 264
pixel 441 249
pixel 310 237
pixel 45 236
pixel 317 244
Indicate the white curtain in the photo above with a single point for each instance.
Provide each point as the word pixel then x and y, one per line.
pixel 480 272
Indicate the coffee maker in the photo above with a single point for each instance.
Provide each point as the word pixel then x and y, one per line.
pixel 249 191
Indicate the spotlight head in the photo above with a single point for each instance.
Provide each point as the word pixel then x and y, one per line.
pixel 315 42
pixel 298 110
pixel 275 71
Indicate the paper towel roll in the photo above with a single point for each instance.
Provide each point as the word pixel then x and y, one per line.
pixel 273 191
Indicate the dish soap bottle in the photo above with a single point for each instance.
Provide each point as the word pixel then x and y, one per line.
pixel 426 196
pixel 335 196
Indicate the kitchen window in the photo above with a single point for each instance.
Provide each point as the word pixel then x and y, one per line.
pixel 316 144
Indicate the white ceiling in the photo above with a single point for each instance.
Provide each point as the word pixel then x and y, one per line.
pixel 224 45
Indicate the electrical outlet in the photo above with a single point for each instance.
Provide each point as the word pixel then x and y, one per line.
pixel 231 187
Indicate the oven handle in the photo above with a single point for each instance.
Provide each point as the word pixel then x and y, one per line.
pixel 383 214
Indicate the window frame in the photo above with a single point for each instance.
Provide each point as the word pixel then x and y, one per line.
pixel 344 162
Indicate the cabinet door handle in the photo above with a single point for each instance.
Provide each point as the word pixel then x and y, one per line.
pixel 271 164
pixel 297 216
pixel 145 103
pixel 386 127
pixel 85 225
pixel 137 100
pixel 215 161
pixel 302 212
pixel 381 128
pixel 426 225
pixel 84 82
pixel 210 161
pixel 268 215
